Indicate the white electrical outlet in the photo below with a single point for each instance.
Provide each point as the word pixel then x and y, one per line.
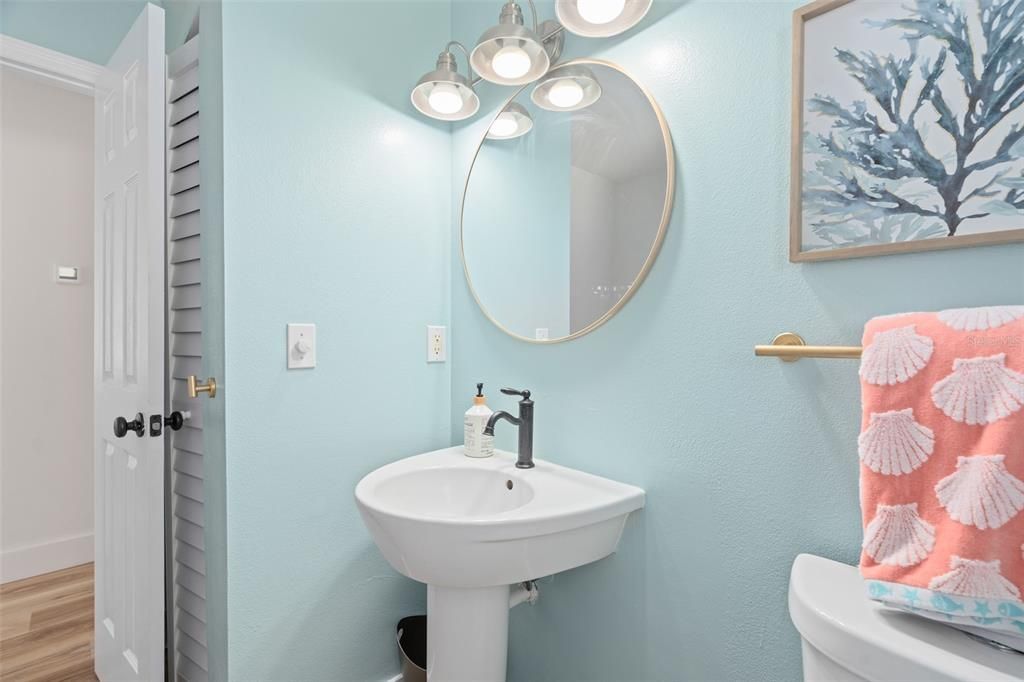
pixel 541 334
pixel 437 344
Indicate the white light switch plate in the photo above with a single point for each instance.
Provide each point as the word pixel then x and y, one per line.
pixel 301 346
pixel 66 274
pixel 437 344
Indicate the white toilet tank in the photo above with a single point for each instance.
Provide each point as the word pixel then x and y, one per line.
pixel 847 637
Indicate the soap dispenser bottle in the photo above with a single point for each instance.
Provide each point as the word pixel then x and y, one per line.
pixel 476 444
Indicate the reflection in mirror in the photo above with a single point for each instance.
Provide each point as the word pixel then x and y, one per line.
pixel 566 202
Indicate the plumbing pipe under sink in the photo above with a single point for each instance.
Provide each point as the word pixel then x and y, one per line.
pixel 523 592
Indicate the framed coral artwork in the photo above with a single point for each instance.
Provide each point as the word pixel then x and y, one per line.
pixel 908 126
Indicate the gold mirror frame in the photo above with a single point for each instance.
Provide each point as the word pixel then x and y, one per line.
pixel 666 212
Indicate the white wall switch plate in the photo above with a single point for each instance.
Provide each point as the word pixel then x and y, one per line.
pixel 66 274
pixel 541 334
pixel 437 344
pixel 301 346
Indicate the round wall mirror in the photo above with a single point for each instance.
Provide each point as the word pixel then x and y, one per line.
pixel 567 202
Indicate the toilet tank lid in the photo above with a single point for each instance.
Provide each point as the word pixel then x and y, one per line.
pixel 828 605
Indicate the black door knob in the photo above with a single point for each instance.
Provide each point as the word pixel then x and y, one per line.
pixel 122 426
pixel 175 420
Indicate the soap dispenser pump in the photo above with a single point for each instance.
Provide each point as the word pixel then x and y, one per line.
pixel 476 443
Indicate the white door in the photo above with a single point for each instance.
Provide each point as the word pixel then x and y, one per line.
pixel 129 362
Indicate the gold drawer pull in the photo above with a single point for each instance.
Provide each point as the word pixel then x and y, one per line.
pixel 194 388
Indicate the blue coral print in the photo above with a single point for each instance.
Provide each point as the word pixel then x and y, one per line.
pixel 932 144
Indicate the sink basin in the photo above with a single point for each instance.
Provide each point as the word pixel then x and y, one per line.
pixel 451 492
pixel 470 528
pixel 446 519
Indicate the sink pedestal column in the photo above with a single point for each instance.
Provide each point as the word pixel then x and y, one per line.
pixel 467 634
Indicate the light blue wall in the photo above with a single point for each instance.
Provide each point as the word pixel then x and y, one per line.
pixel 87 29
pixel 746 461
pixel 178 17
pixel 337 212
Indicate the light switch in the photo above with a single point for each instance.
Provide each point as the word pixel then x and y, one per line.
pixel 66 273
pixel 301 346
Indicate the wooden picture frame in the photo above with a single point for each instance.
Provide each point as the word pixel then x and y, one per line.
pixel 797 243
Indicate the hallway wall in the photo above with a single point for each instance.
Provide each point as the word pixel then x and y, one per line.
pixel 46 394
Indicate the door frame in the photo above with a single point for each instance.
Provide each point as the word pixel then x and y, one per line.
pixel 56 68
pixel 80 76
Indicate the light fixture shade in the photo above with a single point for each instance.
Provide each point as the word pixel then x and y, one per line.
pixel 590 25
pixel 567 88
pixel 510 53
pixel 444 93
pixel 513 121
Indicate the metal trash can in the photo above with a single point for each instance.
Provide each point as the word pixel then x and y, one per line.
pixel 412 648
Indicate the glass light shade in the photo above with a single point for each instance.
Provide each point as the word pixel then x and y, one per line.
pixel 599 18
pixel 499 55
pixel 567 88
pixel 445 95
pixel 513 121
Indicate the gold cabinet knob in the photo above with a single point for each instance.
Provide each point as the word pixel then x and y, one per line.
pixel 195 388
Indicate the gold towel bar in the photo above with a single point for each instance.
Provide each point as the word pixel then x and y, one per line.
pixel 790 347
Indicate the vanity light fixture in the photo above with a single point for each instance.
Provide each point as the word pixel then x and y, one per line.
pixel 513 121
pixel 600 18
pixel 567 88
pixel 444 93
pixel 511 54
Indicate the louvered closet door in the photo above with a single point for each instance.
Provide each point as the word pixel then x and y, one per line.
pixel 185 295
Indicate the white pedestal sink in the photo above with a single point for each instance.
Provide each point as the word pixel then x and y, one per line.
pixel 470 528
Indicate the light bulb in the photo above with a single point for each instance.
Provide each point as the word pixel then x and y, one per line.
pixel 445 98
pixel 565 93
pixel 511 61
pixel 600 11
pixel 504 126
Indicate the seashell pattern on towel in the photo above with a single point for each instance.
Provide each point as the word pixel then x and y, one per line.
pixel 897 536
pixel 980 319
pixel 894 356
pixel 974 578
pixel 894 443
pixel 981 492
pixel 980 390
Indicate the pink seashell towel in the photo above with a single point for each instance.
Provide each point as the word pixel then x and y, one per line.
pixel 942 466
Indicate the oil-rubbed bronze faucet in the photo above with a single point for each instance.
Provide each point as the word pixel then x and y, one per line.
pixel 525 423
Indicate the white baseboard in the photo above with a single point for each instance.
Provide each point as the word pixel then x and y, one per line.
pixel 25 562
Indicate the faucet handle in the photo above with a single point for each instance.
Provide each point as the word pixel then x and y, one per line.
pixel 511 391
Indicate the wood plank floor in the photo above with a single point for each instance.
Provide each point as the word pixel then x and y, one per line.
pixel 46 627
